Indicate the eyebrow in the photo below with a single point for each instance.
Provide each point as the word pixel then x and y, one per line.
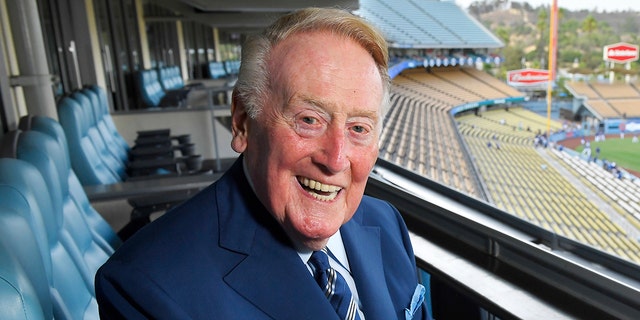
pixel 325 107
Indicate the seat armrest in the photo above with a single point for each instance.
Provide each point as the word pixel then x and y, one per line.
pixel 153 133
pixel 150 187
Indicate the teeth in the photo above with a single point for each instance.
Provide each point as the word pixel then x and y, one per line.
pixel 319 186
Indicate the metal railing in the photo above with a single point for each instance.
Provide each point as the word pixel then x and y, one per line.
pixel 508 266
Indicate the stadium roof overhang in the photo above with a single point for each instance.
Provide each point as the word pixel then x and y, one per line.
pixel 446 46
pixel 243 14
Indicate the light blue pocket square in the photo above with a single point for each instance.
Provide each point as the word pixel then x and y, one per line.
pixel 416 302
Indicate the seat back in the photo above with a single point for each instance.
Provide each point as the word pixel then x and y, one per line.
pixel 70 294
pixel 171 78
pixel 108 120
pixel 25 263
pixel 96 222
pixel 85 159
pixel 151 92
pixel 89 250
pixel 232 67
pixel 18 297
pixel 109 139
pixel 216 70
pixel 112 161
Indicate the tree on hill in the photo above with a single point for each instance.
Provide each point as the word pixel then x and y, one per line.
pixel 589 24
pixel 581 34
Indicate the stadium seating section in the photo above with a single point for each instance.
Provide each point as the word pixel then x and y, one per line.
pixel 420 134
pixel 616 100
pixel 415 24
pixel 162 87
pixel 99 155
pixel 52 240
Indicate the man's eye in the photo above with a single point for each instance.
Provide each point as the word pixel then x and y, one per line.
pixel 358 129
pixel 309 120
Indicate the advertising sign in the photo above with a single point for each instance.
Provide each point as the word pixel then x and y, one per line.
pixel 527 77
pixel 620 52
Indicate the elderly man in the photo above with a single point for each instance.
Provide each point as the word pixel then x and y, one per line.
pixel 286 233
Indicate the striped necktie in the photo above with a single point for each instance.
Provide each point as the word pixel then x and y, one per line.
pixel 334 286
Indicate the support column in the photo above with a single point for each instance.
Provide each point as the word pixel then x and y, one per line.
pixel 612 75
pixel 34 78
pixel 142 32
pixel 216 44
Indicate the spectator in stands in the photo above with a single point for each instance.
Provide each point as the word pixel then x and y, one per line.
pixel 306 115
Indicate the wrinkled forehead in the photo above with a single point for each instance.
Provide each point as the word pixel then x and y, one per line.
pixel 327 65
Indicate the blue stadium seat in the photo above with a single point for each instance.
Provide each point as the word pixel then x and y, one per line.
pixel 142 205
pixel 110 139
pixel 151 92
pixel 232 67
pixel 88 248
pixel 18 299
pixel 216 70
pixel 71 294
pixel 111 160
pixel 107 119
pixel 85 159
pixel 90 158
pixel 126 161
pixel 94 219
pixel 171 78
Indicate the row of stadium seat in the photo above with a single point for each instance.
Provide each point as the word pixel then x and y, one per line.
pixel 520 182
pixel 526 196
pixel 609 100
pixel 419 137
pixel 624 192
pixel 223 69
pixel 99 154
pixel 163 87
pixel 52 238
pixel 434 149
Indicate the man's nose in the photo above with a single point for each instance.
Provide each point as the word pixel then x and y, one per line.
pixel 334 151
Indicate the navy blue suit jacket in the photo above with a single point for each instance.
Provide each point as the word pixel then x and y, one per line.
pixel 221 255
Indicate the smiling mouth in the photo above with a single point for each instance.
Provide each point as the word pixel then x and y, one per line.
pixel 319 190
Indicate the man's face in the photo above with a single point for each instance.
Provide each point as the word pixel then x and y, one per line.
pixel 310 150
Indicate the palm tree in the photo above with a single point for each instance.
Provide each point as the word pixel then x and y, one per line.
pixel 589 24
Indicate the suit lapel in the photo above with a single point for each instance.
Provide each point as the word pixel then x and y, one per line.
pixel 362 244
pixel 278 283
pixel 271 276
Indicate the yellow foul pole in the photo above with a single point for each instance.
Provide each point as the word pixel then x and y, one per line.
pixel 553 43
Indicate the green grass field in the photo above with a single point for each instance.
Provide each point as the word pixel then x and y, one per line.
pixel 625 153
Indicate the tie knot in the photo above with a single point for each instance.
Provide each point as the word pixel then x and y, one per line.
pixel 334 286
pixel 319 260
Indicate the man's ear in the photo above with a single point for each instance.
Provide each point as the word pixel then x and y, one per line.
pixel 239 124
